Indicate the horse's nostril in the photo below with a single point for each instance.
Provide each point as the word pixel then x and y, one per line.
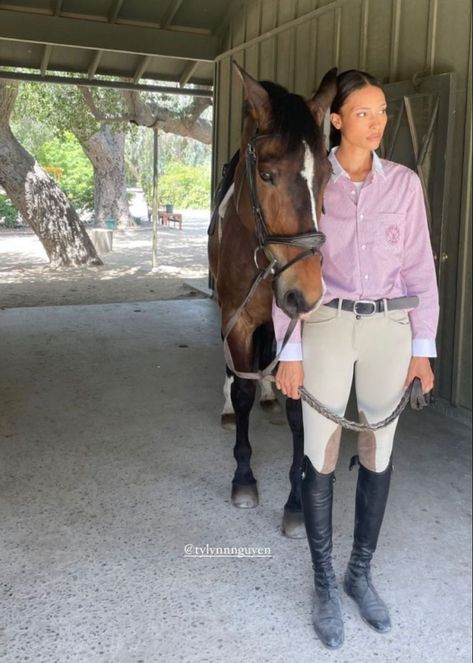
pixel 294 302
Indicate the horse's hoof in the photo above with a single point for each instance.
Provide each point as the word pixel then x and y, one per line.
pixel 245 496
pixel 228 421
pixel 271 406
pixel 293 524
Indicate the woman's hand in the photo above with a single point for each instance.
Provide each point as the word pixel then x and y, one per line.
pixel 420 368
pixel 289 377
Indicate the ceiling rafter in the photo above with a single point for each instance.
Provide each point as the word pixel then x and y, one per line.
pixel 188 72
pixel 141 68
pixel 114 10
pixel 112 17
pixel 45 59
pixel 94 64
pixel 170 13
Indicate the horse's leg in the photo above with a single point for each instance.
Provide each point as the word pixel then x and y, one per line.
pixel 293 521
pixel 244 490
pixel 228 414
pixel 265 340
pixel 242 348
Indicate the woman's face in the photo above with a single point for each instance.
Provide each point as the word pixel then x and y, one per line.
pixel 362 118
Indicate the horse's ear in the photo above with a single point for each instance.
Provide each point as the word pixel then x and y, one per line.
pixel 259 103
pixel 321 101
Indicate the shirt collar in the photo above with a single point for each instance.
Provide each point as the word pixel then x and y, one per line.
pixel 338 171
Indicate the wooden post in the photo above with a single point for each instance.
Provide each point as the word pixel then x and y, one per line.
pixel 155 198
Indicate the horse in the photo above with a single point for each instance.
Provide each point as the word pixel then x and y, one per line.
pixel 267 243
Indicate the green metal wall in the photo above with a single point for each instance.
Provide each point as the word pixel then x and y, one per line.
pixel 294 42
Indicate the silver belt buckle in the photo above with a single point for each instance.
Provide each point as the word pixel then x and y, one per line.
pixel 364 301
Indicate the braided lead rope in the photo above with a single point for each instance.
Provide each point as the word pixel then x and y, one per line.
pixel 413 393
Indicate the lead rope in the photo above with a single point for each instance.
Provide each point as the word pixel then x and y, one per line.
pixel 412 394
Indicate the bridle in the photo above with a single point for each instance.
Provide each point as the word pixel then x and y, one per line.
pixel 310 241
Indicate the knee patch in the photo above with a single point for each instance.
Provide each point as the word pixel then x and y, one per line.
pixel 332 449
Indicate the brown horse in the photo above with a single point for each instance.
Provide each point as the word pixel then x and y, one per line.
pixel 269 234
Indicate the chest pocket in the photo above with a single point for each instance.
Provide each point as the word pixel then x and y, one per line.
pixel 390 231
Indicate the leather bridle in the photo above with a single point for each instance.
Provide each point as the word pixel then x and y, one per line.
pixel 310 241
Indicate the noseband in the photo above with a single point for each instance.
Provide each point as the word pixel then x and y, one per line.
pixel 311 241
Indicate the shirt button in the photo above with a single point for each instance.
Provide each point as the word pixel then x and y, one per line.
pixel 361 216
pixel 366 277
pixel 353 192
pixel 363 246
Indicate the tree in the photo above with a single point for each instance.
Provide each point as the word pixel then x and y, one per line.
pixel 100 119
pixel 41 202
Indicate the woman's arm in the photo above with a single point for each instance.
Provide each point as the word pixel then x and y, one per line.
pixel 420 278
pixel 290 374
pixel 418 273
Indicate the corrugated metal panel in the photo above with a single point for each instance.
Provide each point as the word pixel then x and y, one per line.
pixel 392 39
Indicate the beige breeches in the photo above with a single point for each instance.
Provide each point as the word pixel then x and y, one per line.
pixel 378 350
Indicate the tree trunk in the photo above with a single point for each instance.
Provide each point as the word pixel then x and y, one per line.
pixel 106 151
pixel 38 198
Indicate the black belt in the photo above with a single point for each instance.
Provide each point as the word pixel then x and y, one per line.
pixel 372 306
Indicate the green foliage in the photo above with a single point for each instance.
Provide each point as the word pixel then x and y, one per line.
pixel 8 212
pixel 62 108
pixel 185 186
pixel 77 180
pixel 172 150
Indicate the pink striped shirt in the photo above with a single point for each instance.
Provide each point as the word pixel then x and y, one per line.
pixel 378 246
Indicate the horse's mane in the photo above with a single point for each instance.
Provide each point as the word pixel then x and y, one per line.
pixel 292 118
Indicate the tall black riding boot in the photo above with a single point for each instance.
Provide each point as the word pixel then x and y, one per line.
pixel 371 497
pixel 317 498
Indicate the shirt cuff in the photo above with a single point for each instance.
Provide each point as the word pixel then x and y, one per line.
pixel 291 352
pixel 424 347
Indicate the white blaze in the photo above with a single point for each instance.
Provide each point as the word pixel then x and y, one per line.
pixel 308 173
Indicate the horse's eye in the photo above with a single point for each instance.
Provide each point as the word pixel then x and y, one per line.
pixel 266 176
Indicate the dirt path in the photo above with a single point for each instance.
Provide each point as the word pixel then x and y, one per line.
pixel 27 280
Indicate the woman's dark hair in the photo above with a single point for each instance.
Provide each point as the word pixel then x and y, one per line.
pixel 347 82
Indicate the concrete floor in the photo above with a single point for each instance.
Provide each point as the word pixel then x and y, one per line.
pixel 112 460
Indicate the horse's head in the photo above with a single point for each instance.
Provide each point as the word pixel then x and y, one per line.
pixel 290 171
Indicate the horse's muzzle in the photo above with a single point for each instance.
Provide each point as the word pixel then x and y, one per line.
pixel 294 304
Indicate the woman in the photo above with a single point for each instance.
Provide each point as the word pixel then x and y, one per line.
pixel 378 320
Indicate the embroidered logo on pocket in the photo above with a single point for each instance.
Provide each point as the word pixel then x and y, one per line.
pixel 393 234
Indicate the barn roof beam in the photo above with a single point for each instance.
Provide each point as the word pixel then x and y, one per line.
pixel 61 31
pixel 206 92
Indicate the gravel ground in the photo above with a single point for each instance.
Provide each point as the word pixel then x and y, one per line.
pixel 27 280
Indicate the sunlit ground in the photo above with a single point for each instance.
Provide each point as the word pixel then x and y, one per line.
pixel 127 275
